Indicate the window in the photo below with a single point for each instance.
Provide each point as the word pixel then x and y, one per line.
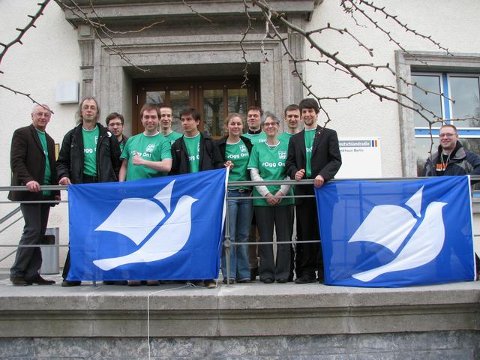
pixel 460 106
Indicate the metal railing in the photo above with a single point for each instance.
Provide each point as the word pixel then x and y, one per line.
pixel 227 243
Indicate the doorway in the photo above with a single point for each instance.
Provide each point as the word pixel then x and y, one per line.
pixel 214 99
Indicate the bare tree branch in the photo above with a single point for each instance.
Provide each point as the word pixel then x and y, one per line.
pixel 350 4
pixel 196 12
pixel 102 31
pixel 18 40
pixel 16 92
pixel 23 31
pixel 333 60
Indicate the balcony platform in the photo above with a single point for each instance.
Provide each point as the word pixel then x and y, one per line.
pixel 34 316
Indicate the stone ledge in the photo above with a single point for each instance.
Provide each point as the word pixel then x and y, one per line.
pixel 239 310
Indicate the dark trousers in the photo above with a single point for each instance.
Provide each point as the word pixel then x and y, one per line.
pixel 308 257
pixel 28 260
pixel 268 219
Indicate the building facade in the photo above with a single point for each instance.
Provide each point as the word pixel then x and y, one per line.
pixel 199 53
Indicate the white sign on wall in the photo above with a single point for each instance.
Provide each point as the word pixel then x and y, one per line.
pixel 361 158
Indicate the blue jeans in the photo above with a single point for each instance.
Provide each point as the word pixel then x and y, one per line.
pixel 240 212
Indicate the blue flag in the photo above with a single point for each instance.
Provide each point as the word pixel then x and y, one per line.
pixel 396 233
pixel 165 228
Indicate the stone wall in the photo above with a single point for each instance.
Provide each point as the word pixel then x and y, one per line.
pixel 458 345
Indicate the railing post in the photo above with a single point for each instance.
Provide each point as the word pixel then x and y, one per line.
pixel 227 244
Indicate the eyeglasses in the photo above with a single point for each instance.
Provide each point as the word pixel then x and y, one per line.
pixel 46 114
pixel 448 135
pixel 269 124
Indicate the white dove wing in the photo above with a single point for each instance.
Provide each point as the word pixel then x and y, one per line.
pixel 424 245
pixel 387 225
pixel 167 241
pixel 127 220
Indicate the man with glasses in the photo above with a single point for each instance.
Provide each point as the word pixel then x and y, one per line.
pixel 115 122
pixel 451 158
pixel 32 159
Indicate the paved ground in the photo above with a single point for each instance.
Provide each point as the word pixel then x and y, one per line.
pixel 253 288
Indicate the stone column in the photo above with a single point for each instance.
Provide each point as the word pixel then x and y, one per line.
pixel 86 41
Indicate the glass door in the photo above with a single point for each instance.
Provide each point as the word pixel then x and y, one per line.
pixel 213 99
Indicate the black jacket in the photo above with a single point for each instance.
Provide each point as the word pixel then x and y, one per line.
pixel 27 161
pixel 326 158
pixel 462 162
pixel 210 157
pixel 222 146
pixel 70 161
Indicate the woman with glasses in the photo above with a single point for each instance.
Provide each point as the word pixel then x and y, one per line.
pixel 273 210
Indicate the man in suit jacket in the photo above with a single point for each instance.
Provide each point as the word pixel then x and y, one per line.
pixel 314 154
pixel 32 159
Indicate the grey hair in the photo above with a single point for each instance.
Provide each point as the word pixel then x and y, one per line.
pixel 270 115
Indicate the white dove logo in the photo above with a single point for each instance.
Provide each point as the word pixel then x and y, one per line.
pixel 389 225
pixel 138 219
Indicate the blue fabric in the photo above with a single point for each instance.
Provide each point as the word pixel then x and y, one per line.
pixel 396 233
pixel 165 228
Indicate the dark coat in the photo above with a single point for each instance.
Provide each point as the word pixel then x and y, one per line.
pixel 27 161
pixel 70 161
pixel 210 157
pixel 326 158
pixel 222 147
pixel 462 162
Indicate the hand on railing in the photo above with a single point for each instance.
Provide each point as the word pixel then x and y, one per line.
pixel 300 174
pixel 318 181
pixel 33 186
pixel 65 181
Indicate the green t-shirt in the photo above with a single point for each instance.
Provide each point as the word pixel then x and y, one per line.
pixel 193 150
pixel 238 154
pixel 47 177
pixel 172 137
pixel 270 162
pixel 153 148
pixel 90 138
pixel 285 137
pixel 309 136
pixel 256 138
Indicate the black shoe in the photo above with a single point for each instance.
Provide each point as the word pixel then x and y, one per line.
pixel 305 279
pixel 115 282
pixel 67 283
pixel 253 274
pixel 231 281
pixel 19 281
pixel 282 281
pixel 267 280
pixel 243 280
pixel 41 281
